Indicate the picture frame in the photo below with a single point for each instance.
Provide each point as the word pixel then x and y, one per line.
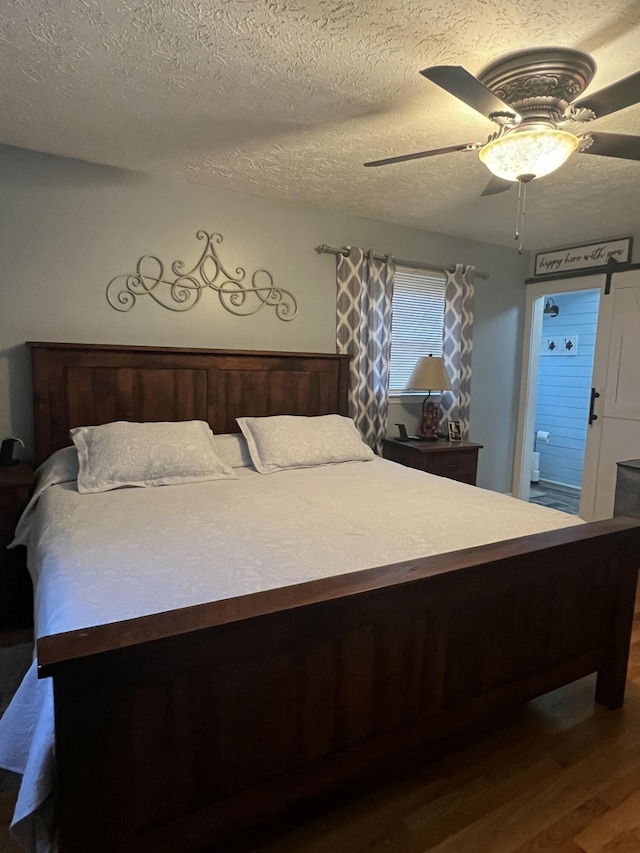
pixel 455 433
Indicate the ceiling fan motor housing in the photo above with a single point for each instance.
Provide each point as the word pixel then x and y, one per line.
pixel 540 83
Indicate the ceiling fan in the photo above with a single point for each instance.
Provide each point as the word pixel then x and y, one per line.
pixel 531 95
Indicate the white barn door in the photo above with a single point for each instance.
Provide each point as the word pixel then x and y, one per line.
pixel 614 436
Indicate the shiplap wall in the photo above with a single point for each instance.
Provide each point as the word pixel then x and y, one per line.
pixel 564 387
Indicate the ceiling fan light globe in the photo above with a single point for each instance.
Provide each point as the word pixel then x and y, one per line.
pixel 528 152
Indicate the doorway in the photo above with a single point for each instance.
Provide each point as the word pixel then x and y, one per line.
pixel 563 397
pixel 560 334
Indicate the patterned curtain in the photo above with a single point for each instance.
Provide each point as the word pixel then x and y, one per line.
pixel 363 330
pixel 457 340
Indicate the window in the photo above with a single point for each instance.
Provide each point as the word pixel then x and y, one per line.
pixel 418 321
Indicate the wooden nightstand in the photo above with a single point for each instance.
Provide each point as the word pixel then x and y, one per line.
pixel 16 594
pixel 457 460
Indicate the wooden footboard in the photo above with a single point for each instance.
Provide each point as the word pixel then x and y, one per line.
pixel 178 731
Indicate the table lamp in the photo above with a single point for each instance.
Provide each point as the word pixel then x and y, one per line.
pixel 429 375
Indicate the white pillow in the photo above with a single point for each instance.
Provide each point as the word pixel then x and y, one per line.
pixel 232 449
pixel 146 454
pixel 288 441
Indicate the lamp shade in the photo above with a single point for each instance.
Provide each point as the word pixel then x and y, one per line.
pixel 533 153
pixel 430 374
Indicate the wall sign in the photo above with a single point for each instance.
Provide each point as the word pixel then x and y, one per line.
pixel 584 257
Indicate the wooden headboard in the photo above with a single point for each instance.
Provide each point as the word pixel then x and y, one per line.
pixel 89 384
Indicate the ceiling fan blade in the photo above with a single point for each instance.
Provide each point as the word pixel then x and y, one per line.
pixel 620 145
pixel 471 146
pixel 612 98
pixel 459 82
pixel 497 185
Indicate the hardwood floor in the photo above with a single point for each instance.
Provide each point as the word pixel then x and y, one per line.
pixel 564 777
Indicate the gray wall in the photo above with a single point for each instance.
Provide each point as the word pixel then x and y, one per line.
pixel 68 227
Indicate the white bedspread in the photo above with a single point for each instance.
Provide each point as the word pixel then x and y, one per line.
pixel 116 555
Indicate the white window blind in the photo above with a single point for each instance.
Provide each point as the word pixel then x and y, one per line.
pixel 418 322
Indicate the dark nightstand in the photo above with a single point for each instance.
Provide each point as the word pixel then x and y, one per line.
pixel 457 460
pixel 16 594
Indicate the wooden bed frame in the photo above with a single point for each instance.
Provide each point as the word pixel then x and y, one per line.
pixel 183 730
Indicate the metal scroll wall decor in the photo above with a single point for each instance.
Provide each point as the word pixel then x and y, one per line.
pixel 183 289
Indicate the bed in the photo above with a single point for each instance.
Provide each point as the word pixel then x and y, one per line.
pixel 207 726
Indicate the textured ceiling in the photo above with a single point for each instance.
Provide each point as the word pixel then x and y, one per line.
pixel 288 99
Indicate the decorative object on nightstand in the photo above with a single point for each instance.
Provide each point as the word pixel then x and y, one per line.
pixel 16 605
pixel 9 452
pixel 454 431
pixel 457 460
pixel 429 375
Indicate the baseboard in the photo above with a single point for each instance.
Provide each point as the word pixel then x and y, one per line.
pixel 542 483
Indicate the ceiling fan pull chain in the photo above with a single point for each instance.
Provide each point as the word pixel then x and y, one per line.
pixel 522 212
pixel 516 236
pixel 523 180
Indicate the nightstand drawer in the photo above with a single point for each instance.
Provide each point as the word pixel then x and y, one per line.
pixel 13 500
pixel 455 460
pixel 15 488
pixel 456 466
pixel 16 604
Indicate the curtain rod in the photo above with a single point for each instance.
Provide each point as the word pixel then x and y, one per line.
pixel 418 265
